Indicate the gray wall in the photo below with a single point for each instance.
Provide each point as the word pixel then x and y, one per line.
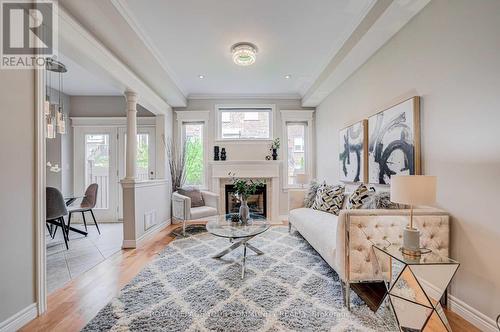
pixel 97 106
pixel 449 55
pixel 17 197
pixel 60 150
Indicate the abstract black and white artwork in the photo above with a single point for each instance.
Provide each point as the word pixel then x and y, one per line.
pixel 394 145
pixel 352 155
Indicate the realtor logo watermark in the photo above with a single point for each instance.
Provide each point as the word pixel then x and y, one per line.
pixel 29 33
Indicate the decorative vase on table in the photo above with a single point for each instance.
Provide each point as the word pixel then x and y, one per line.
pixel 223 154
pixel 275 154
pixel 244 211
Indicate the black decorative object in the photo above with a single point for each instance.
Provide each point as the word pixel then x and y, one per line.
pixel 223 154
pixel 275 154
pixel 268 157
pixel 235 217
pixel 216 152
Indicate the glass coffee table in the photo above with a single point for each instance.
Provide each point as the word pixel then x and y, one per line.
pixel 238 234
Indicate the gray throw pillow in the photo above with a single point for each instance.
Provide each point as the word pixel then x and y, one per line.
pixel 382 200
pixel 359 196
pixel 194 194
pixel 311 194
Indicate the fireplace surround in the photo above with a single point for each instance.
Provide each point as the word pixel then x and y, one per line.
pixel 256 202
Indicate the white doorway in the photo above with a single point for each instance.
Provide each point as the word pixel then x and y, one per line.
pixel 100 155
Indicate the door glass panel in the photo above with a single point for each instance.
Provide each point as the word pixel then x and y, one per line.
pixel 97 166
pixel 193 138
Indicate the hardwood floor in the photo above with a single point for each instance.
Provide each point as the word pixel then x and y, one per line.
pixel 73 306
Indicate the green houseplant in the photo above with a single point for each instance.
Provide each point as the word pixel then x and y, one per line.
pixel 243 188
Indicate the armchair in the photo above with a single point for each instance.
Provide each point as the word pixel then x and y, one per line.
pixel 182 210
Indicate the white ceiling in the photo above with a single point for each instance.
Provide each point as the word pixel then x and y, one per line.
pixel 193 37
pixel 78 81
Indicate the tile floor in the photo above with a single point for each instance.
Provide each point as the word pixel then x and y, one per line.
pixel 83 254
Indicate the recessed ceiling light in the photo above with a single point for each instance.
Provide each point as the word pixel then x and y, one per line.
pixel 201 77
pixel 288 76
pixel 244 54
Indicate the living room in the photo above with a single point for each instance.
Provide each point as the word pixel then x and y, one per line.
pixel 322 166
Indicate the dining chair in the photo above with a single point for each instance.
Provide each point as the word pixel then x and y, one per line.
pixel 87 204
pixel 55 212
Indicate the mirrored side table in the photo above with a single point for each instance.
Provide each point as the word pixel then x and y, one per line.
pixel 415 286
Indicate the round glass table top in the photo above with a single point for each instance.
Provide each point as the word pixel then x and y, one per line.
pixel 224 227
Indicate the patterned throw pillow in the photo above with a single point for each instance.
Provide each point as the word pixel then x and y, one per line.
pixel 381 200
pixel 329 199
pixel 311 194
pixel 359 197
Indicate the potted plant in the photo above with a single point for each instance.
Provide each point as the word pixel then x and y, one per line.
pixel 243 188
pixel 274 148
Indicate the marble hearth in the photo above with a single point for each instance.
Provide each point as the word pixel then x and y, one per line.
pixel 268 171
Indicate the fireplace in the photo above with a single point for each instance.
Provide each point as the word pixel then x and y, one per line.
pixel 257 202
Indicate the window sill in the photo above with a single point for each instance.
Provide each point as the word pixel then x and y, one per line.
pixel 244 140
pixel 294 188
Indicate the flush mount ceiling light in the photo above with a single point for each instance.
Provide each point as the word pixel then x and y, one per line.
pixel 244 54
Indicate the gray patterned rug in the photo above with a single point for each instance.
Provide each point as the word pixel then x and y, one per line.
pixel 290 287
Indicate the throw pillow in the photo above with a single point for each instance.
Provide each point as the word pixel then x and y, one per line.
pixel 359 196
pixel 329 199
pixel 311 194
pixel 382 200
pixel 194 194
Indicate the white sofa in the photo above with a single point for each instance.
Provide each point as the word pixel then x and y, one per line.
pixel 345 241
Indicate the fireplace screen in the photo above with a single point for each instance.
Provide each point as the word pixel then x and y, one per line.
pixel 256 202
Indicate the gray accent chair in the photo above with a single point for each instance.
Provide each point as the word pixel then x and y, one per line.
pixel 182 210
pixel 87 204
pixel 55 211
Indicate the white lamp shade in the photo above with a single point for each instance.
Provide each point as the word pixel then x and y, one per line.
pixel 301 179
pixel 413 189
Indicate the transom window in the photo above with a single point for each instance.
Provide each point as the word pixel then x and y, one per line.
pixel 244 123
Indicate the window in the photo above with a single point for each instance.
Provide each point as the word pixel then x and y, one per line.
pixel 296 154
pixel 244 123
pixel 193 139
pixel 97 166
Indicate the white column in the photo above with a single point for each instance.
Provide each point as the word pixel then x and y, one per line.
pixel 131 98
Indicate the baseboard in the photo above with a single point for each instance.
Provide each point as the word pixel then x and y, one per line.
pixel 18 320
pixel 131 244
pixel 473 316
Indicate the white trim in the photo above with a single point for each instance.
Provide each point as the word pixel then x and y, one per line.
pixel 473 316
pixel 239 96
pixel 128 14
pixel 110 121
pixel 84 47
pixel 40 184
pixel 218 120
pixel 306 116
pixel 133 244
pixel 19 319
pixel 283 217
pixel 381 22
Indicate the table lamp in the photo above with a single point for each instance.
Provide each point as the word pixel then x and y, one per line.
pixel 301 179
pixel 413 190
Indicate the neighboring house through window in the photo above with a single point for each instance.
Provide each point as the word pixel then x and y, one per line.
pixel 244 122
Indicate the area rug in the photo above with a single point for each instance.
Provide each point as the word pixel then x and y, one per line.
pixel 288 288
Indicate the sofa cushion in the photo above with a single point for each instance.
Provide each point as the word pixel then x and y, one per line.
pixel 194 194
pixel 329 199
pixel 319 229
pixel 359 196
pixel 381 200
pixel 311 194
pixel 203 212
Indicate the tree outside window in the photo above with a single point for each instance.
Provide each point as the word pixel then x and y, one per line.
pixel 193 138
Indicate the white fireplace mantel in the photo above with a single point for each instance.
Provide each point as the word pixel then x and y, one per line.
pixel 258 169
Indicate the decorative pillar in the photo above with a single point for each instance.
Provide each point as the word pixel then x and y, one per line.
pixel 131 98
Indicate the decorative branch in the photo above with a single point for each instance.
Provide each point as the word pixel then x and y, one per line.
pixel 176 161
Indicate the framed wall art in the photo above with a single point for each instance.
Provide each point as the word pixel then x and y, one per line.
pixel 353 152
pixel 394 142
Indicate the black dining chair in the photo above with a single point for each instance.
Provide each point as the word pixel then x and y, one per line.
pixel 88 203
pixel 55 212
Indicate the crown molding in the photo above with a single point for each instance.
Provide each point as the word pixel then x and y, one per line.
pixel 123 8
pixel 380 24
pixel 291 96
